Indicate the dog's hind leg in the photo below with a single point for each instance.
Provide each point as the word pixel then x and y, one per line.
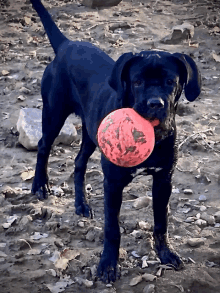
pixel 86 150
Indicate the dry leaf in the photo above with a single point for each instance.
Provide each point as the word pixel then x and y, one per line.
pixel 27 175
pixel 65 257
pixel 27 19
pixel 5 72
pixel 216 57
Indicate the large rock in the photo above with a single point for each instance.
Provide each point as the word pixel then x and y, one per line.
pixel 29 126
pixel 100 3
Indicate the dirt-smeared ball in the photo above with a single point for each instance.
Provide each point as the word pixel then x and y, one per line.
pixel 126 138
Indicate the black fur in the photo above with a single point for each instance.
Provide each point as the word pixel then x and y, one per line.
pixel 84 80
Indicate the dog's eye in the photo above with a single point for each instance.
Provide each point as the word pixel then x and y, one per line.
pixel 137 83
pixel 170 82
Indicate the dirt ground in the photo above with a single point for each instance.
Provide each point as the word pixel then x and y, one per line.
pixel 44 246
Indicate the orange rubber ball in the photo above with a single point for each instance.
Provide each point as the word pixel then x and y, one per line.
pixel 126 138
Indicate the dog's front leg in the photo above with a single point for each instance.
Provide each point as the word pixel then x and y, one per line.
pixel 162 188
pixel 115 179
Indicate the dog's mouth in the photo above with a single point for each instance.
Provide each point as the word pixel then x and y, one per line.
pixel 154 121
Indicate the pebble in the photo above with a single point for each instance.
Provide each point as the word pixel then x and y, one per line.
pixel 190 220
pixel 136 233
pixel 195 242
pixel 2 254
pixel 217 216
pixel 210 219
pixel 144 225
pixel 122 230
pixel 81 224
pixel 135 281
pixel 57 191
pixel 202 197
pixel 93 234
pixel 134 253
pixel 148 277
pixel 188 191
pixel 201 223
pixel 149 288
pixel 203 208
pixel 142 202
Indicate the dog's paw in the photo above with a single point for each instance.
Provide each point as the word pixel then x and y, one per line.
pixel 40 187
pixel 169 257
pixel 84 210
pixel 108 270
pixel 166 253
pixel 40 192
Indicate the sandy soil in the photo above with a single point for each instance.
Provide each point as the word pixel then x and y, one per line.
pixel 34 234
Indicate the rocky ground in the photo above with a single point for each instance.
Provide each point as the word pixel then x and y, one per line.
pixel 44 246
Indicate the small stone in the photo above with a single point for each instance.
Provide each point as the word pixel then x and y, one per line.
pixel 201 223
pixel 217 216
pixel 2 254
pixel 195 242
pixel 149 277
pixel 88 283
pixel 135 280
pixel 21 98
pixel 57 191
pixel 122 230
pixel 51 272
pixel 9 192
pixel 188 191
pixel 203 208
pixel 24 90
pixel 100 3
pixel 81 224
pixel 136 233
pixel 202 197
pixel 88 188
pixel 210 219
pixel 134 253
pixel 142 202
pixel 94 234
pixel 190 220
pixel 58 243
pixel 144 225
pixel 149 288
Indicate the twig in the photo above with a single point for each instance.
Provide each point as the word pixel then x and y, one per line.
pixel 26 243
pixel 199 132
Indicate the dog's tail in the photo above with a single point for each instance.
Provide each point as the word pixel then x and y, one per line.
pixel 55 36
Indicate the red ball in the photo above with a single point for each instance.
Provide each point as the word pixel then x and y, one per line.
pixel 125 138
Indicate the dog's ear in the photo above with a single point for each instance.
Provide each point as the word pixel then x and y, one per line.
pixel 192 76
pixel 115 81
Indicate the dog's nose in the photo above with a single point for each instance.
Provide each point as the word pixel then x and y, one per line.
pixel 155 103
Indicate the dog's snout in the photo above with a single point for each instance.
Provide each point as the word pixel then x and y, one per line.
pixel 155 103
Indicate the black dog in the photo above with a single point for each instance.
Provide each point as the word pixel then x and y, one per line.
pixel 84 80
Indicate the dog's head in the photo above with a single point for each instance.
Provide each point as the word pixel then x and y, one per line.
pixel 151 82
